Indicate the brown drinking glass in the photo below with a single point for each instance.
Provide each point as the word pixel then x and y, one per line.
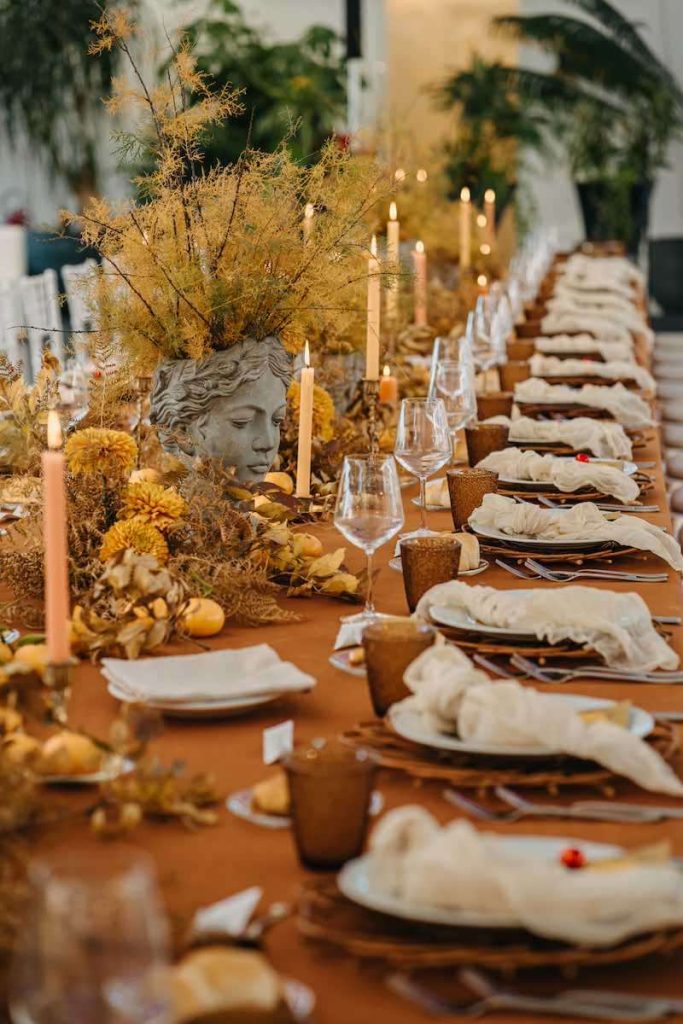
pixel 389 648
pixel 466 489
pixel 498 403
pixel 330 786
pixel 484 438
pixel 427 561
pixel 521 350
pixel 513 373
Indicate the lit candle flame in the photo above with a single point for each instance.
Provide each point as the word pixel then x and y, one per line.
pixel 373 246
pixel 54 430
pixel 482 280
pixel 465 195
pixel 309 210
pixel 481 220
pixel 421 175
pixel 489 196
pixel 393 212
pixel 485 249
pixel 419 246
pixel 307 355
pixel 386 372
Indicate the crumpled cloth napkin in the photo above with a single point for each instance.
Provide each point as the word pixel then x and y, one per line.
pixel 566 474
pixel 458 867
pixel 592 270
pixel 623 405
pixel 603 328
pixel 551 366
pixel 616 625
pixel 249 672
pixel 566 292
pixel 601 305
pixel 586 344
pixel 582 522
pixel 452 696
pixel 602 438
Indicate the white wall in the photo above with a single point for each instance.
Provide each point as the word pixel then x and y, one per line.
pixel 661 23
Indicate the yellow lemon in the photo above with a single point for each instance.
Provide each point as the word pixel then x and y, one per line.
pixel 5 653
pixel 19 748
pixel 307 545
pixel 69 753
pixel 34 656
pixel 203 617
pixel 145 476
pixel 282 481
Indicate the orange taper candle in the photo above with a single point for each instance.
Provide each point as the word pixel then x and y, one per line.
pixel 57 626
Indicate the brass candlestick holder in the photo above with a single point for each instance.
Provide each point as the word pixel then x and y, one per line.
pixel 58 678
pixel 371 402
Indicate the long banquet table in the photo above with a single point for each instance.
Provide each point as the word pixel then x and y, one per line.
pixel 198 867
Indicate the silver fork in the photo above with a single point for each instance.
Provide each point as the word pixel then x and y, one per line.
pixel 520 809
pixel 515 570
pixel 552 674
pixel 567 575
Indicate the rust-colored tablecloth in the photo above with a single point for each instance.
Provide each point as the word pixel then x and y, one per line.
pixel 196 868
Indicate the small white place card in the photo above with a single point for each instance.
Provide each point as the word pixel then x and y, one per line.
pixel 229 916
pixel 278 741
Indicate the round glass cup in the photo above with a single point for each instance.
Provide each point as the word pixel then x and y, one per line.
pixel 427 561
pixel 497 403
pixel 484 438
pixel 466 489
pixel 512 373
pixel 389 648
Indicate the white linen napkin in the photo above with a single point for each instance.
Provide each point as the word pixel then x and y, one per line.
pixel 587 268
pixel 572 323
pixel 565 293
pixel 618 626
pixel 613 309
pixel 453 697
pixel 582 522
pixel 551 366
pixel 602 438
pixel 566 474
pixel 412 858
pixel 249 672
pixel 586 344
pixel 623 405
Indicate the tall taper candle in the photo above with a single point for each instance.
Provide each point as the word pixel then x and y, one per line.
pixel 420 284
pixel 393 256
pixel 465 229
pixel 374 302
pixel 309 214
pixel 55 543
pixel 303 458
pixel 490 211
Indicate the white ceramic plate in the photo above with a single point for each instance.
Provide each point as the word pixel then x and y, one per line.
pixel 458 618
pixel 356 882
pixel 409 724
pixel 240 804
pixel 341 660
pixel 224 708
pixel 112 768
pixel 524 540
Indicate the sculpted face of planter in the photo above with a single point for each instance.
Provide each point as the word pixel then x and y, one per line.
pixel 229 406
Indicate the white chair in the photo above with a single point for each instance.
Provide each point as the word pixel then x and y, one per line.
pixel 77 277
pixel 13 342
pixel 42 317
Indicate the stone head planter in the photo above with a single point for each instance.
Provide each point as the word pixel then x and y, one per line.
pixel 228 406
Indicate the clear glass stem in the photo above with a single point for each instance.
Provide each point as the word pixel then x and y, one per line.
pixel 423 502
pixel 369 602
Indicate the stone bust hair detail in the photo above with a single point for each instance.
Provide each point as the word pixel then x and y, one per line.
pixel 228 406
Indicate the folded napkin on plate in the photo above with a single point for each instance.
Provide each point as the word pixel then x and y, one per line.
pixel 571 323
pixel 567 294
pixel 618 626
pixel 566 474
pixel 614 310
pixel 452 696
pixel 249 672
pixel 602 438
pixel 582 522
pixel 412 858
pixel 551 366
pixel 588 268
pixel 623 405
pixel 586 344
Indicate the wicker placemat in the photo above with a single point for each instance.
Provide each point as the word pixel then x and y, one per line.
pixel 607 553
pixel 324 915
pixel 562 410
pixel 469 771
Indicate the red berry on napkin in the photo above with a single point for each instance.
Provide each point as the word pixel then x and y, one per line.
pixel 582 457
pixel 573 858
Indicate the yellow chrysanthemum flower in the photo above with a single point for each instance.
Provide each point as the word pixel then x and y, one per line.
pixel 137 535
pixel 152 503
pixel 96 450
pixel 323 409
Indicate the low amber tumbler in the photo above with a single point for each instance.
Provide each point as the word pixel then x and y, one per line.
pixel 521 349
pixel 389 648
pixel 513 373
pixel 427 561
pixel 330 787
pixel 497 403
pixel 466 489
pixel 484 438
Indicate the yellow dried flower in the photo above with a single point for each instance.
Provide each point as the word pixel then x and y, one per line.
pixel 137 535
pixel 96 450
pixel 152 503
pixel 323 410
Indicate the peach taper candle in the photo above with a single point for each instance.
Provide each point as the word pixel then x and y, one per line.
pixel 303 458
pixel 57 627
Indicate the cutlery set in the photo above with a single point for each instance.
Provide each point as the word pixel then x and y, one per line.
pixel 583 810
pixel 535 570
pixel 554 674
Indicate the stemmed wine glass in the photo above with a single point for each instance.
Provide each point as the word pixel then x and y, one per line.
pixel 423 444
pixel 368 513
pixel 95 945
pixel 452 386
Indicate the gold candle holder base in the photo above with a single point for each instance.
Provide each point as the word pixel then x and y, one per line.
pixel 58 678
pixel 371 402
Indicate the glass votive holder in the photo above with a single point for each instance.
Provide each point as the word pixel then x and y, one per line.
pixel 466 489
pixel 330 786
pixel 512 373
pixel 427 561
pixel 521 349
pixel 497 403
pixel 484 438
pixel 389 648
